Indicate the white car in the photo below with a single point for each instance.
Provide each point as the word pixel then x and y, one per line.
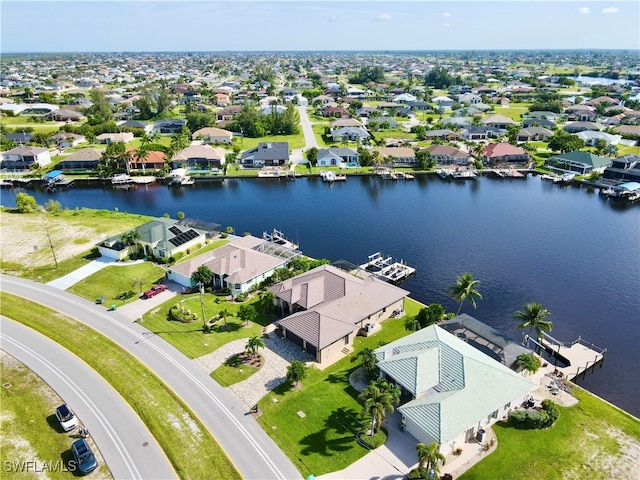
pixel 67 419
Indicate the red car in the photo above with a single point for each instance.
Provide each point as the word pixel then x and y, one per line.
pixel 155 290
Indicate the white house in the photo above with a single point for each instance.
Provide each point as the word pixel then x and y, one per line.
pixel 457 390
pixel 338 157
pixel 23 157
pixel 213 135
pixel 240 265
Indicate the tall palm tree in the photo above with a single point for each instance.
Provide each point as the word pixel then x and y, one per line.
pixel 533 317
pixel 223 314
pixel 465 289
pixel 367 360
pixel 253 344
pixel 429 457
pixel 376 403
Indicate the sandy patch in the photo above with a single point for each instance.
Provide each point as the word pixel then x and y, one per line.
pixel 24 240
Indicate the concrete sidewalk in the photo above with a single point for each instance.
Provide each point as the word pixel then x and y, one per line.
pixel 85 271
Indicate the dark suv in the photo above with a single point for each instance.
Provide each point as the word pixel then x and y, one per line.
pixel 84 457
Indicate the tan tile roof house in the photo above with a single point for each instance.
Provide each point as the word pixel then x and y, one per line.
pixel 238 265
pixel 328 307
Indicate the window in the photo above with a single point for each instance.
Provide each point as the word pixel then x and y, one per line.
pixel 494 414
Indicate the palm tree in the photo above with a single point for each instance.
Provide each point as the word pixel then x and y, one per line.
pixel 429 457
pixel 412 324
pixel 253 344
pixel 247 313
pixel 465 289
pixel 367 360
pixel 532 317
pixel 223 314
pixel 376 403
pixel 131 238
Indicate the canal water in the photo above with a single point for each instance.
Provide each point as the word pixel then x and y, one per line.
pixel 525 240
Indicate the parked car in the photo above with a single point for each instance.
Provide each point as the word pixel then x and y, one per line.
pixel 155 290
pixel 84 457
pixel 67 419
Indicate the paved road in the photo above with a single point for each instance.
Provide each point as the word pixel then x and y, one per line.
pixel 307 131
pixel 253 452
pixel 126 445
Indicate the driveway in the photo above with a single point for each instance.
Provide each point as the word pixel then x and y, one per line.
pixel 136 309
pixel 89 269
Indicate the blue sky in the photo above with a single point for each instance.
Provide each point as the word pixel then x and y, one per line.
pixel 206 25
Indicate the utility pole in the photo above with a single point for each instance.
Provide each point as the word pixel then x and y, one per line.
pixel 204 321
pixel 52 250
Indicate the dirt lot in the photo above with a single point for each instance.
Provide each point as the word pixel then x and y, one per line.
pixel 26 240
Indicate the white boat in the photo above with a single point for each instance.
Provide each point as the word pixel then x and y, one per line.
pixel 121 179
pixel 463 174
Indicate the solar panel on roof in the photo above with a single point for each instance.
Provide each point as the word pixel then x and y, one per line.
pixel 175 230
pixel 184 237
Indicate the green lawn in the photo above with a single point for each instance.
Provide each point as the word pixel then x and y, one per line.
pixel 323 140
pixel 169 420
pixel 189 337
pixel 112 281
pixel 513 111
pixel 17 123
pixel 324 440
pixel 573 448
pixel 28 421
pixel 227 375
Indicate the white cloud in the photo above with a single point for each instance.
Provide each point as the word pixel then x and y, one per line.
pixel 385 17
pixel 333 18
pixel 610 10
pixel 446 14
pixel 584 10
pixel 447 25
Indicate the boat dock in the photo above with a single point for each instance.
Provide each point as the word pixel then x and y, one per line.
pixel 572 359
pixel 330 176
pixel 276 236
pixel 387 269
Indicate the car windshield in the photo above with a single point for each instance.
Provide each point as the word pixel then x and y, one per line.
pixel 65 413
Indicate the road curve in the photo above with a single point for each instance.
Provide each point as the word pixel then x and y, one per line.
pixel 253 452
pixel 124 441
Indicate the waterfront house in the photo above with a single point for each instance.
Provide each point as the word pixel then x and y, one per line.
pixel 152 160
pixel 82 160
pixel 624 169
pixel 578 162
pixel 241 265
pixel 270 154
pixel 447 155
pixel 22 157
pixel 495 153
pixel 325 308
pixel 338 157
pixel 456 390
pixel 213 135
pixel 124 137
pixel 398 156
pixel 199 157
pixel 161 238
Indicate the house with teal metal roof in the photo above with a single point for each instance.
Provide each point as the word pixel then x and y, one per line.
pixel 579 162
pixel 457 390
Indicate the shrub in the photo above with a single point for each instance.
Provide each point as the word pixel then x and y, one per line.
pixel 25 203
pixel 417 474
pixel 528 419
pixel 182 314
pixel 376 440
pixel 53 206
pixel 177 256
pixel 241 298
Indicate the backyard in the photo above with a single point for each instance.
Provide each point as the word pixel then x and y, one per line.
pixel 324 439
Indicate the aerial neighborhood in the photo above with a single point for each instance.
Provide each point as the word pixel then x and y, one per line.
pixel 138 117
pixel 317 369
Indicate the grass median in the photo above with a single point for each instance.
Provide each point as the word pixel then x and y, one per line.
pixel 189 446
